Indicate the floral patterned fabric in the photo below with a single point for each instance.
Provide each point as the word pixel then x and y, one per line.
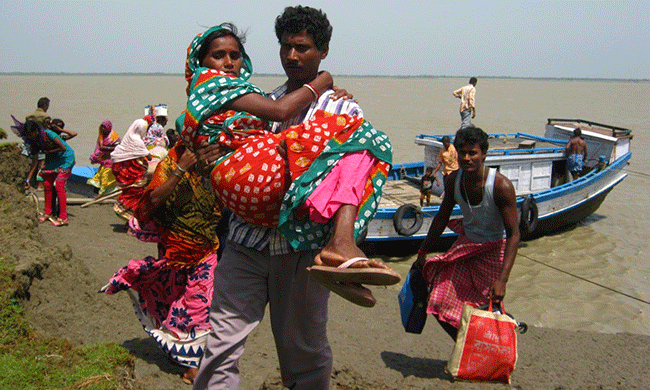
pixel 172 303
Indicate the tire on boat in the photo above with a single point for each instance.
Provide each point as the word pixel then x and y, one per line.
pixel 399 223
pixel 529 214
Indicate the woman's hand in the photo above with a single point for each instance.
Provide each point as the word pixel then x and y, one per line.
pixel 207 154
pixel 187 160
pixel 340 93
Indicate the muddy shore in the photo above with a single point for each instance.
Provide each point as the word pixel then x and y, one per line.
pixel 61 269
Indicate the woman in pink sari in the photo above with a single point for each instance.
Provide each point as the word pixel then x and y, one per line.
pixel 107 140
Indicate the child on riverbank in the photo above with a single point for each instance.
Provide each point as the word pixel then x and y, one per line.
pixel 426 186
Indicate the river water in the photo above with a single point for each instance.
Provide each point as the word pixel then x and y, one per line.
pixel 595 276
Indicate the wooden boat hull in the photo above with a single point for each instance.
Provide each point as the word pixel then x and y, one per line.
pixel 77 184
pixel 557 207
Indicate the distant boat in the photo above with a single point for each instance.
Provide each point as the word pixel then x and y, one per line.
pixel 535 165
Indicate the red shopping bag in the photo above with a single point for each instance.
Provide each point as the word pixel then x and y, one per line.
pixel 486 346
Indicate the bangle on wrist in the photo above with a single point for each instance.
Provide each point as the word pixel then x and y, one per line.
pixel 181 169
pixel 26 180
pixel 313 90
pixel 178 175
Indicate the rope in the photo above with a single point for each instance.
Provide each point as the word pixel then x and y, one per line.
pixel 36 203
pixel 638 173
pixel 584 279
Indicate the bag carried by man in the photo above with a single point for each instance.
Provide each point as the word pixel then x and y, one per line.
pixel 413 301
pixel 486 345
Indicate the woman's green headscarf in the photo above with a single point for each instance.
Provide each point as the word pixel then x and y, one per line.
pixel 193 62
pixel 208 91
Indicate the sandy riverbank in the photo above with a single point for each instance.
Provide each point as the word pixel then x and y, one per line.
pixel 371 350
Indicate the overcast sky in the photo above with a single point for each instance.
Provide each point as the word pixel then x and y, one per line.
pixel 576 39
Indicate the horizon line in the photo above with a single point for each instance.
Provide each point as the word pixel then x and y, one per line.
pixel 336 75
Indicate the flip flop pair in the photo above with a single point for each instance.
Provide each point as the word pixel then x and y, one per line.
pixel 347 282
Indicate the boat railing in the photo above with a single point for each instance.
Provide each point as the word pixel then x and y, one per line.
pixel 497 136
pixel 616 131
pixel 542 139
pixel 513 152
pixel 583 181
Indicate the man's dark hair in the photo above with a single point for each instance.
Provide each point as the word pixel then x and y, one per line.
pixel 577 132
pixel 43 102
pixel 228 29
pixel 473 80
pixel 471 136
pixel 295 19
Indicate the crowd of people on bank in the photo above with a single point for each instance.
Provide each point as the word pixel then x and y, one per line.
pixel 258 199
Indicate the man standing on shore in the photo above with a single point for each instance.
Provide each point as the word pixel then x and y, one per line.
pixel 576 155
pixel 466 95
pixel 477 266
pixel 41 117
pixel 259 267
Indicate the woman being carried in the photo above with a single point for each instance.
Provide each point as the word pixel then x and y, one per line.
pixel 253 179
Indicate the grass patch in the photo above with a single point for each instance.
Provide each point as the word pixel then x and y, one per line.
pixel 29 361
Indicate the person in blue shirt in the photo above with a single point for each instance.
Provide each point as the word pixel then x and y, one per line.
pixel 59 160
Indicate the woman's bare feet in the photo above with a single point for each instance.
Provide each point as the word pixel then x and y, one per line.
pixel 189 375
pixel 333 258
pixel 342 245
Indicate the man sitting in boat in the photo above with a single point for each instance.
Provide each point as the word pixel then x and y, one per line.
pixel 477 266
pixel 576 151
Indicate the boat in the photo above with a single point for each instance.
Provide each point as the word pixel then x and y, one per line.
pixel 536 166
pixel 546 201
pixel 77 183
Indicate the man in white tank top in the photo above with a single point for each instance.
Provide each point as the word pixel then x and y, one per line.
pixel 477 266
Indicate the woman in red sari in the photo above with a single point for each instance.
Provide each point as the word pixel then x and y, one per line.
pixel 132 159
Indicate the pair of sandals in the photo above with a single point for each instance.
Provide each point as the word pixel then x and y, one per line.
pixel 53 220
pixel 348 282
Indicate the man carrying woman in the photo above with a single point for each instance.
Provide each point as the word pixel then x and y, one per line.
pixel 259 265
pixel 251 177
